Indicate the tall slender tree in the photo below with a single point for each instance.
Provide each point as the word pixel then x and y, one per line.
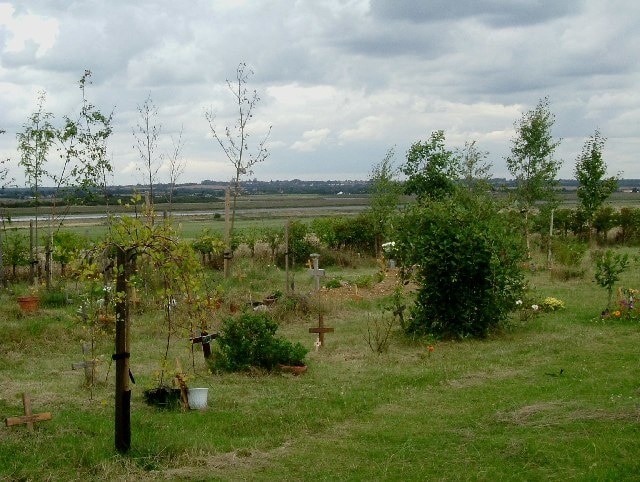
pixel 532 161
pixel 385 195
pixel 234 140
pixel 593 188
pixel 34 144
pixel 146 135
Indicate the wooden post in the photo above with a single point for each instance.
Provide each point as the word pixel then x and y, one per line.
pixel 28 418
pixel 227 236
pixel 121 356
pixel 32 258
pixel 286 256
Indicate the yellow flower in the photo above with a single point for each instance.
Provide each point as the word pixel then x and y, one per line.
pixel 616 313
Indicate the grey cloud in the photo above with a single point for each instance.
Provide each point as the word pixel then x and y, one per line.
pixel 497 13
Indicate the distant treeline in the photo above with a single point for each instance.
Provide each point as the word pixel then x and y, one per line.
pixel 208 191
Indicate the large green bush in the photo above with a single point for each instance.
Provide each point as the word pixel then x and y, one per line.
pixel 466 262
pixel 250 340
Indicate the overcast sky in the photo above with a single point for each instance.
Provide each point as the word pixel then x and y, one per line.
pixel 341 81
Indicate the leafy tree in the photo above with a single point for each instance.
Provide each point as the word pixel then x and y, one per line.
pixel 34 144
pixel 609 266
pixel 604 220
pixel 431 168
pixel 532 161
pixel 385 196
pixel 15 248
pixel 234 141
pixel 466 262
pixel 629 222
pixel 474 170
pixel 593 189
pixel 66 247
pixel 84 145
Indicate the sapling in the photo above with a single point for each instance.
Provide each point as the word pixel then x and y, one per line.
pixel 609 267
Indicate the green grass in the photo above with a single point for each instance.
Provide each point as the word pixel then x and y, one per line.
pixel 494 409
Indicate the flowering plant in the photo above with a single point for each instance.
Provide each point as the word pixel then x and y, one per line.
pixel 626 307
pixel 552 304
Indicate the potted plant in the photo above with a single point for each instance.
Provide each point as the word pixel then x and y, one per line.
pixel 29 300
pixel 292 357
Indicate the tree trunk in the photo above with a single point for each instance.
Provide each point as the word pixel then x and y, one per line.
pixel 121 357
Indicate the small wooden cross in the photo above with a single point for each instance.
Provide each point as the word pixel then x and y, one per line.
pixel 321 330
pixel 88 365
pixel 205 338
pixel 29 418
pixel 316 272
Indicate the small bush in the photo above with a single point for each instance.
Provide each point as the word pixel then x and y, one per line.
pixel 569 252
pixel 249 341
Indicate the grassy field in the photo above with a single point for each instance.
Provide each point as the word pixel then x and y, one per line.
pixel 552 397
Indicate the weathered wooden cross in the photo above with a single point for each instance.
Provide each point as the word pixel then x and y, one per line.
pixel 206 339
pixel 89 365
pixel 29 417
pixel 316 272
pixel 321 330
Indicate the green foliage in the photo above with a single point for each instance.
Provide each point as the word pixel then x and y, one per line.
pixel 593 188
pixel 385 195
pixel 15 249
pixel 466 260
pixel 300 246
pixel 629 222
pixel 431 168
pixel 569 252
pixel 66 246
pixel 531 161
pixel 339 233
pixel 609 266
pixel 250 341
pixel 604 219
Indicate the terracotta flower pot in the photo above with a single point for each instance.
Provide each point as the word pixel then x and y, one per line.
pixel 28 303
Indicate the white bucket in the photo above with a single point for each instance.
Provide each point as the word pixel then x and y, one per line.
pixel 197 398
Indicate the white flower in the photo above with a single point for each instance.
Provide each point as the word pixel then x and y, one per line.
pixel 534 307
pixel 519 302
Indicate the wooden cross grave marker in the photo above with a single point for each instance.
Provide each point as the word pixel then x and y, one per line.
pixel 88 365
pixel 321 330
pixel 29 417
pixel 206 339
pixel 316 272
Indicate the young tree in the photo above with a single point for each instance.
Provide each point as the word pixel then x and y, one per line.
pixel 532 161
pixel 146 136
pixel 234 140
pixel 176 164
pixel 4 182
pixel 474 170
pixel 593 188
pixel 385 195
pixel 431 168
pixel 34 144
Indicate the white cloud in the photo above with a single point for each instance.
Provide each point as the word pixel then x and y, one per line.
pixel 24 29
pixel 311 140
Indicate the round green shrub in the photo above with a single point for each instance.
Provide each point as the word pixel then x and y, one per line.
pixel 250 341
